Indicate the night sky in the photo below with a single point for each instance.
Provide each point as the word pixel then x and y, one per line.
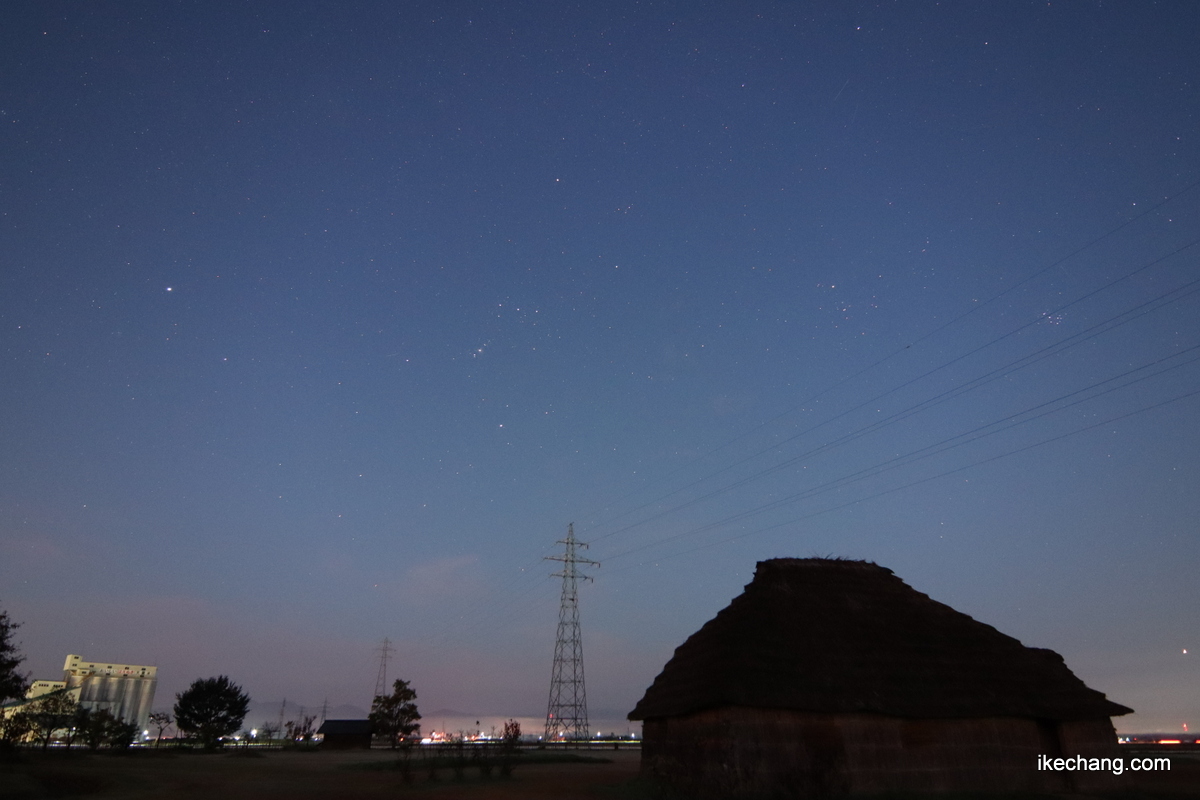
pixel 319 322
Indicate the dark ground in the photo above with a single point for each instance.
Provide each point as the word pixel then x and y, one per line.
pixel 361 775
pixel 258 775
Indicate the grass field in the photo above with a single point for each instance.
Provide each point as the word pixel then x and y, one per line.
pixel 353 775
pixel 362 775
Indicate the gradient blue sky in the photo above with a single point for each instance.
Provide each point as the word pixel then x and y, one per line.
pixel 321 321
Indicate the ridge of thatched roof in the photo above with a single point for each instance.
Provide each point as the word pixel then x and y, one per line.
pixel 345 727
pixel 836 636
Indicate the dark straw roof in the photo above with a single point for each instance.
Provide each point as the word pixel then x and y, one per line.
pixel 345 727
pixel 829 635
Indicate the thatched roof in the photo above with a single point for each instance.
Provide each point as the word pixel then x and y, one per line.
pixel 345 727
pixel 829 635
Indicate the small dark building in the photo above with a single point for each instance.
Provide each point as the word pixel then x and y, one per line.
pixel 829 677
pixel 345 734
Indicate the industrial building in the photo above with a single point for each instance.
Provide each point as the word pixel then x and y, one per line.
pixel 39 688
pixel 124 690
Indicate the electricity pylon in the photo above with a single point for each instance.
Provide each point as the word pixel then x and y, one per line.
pixel 566 715
pixel 381 680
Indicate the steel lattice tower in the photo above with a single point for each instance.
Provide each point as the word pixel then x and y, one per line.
pixel 566 715
pixel 381 679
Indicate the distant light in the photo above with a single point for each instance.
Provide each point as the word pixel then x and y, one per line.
pixel 1169 741
pixel 170 288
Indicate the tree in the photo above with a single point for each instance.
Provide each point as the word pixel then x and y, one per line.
pixel 13 684
pixel 99 727
pixel 161 720
pixel 76 726
pixel 300 729
pixel 121 734
pixel 51 713
pixel 268 730
pixel 13 728
pixel 395 715
pixel 96 727
pixel 509 747
pixel 211 708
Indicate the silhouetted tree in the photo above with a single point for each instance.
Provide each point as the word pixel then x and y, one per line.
pixel 96 727
pixel 121 734
pixel 458 751
pixel 13 684
pixel 211 708
pixel 13 728
pixel 76 726
pixel 302 729
pixel 509 745
pixel 51 713
pixel 395 715
pixel 100 727
pixel 268 730
pixel 161 720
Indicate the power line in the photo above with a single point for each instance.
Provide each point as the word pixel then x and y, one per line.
pixel 527 576
pixel 1057 263
pixel 921 453
pixel 975 383
pixel 1105 326
pixel 895 489
pixel 953 441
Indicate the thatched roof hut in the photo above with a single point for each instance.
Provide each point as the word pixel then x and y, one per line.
pixel 829 676
pixel 345 734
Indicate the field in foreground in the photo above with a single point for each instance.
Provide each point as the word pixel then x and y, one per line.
pixel 361 775
pixel 357 775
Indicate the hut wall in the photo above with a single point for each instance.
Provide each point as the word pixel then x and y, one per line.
pixel 745 753
pixel 1094 738
pixel 346 741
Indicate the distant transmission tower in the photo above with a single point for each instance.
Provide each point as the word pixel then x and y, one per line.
pixel 566 715
pixel 384 650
